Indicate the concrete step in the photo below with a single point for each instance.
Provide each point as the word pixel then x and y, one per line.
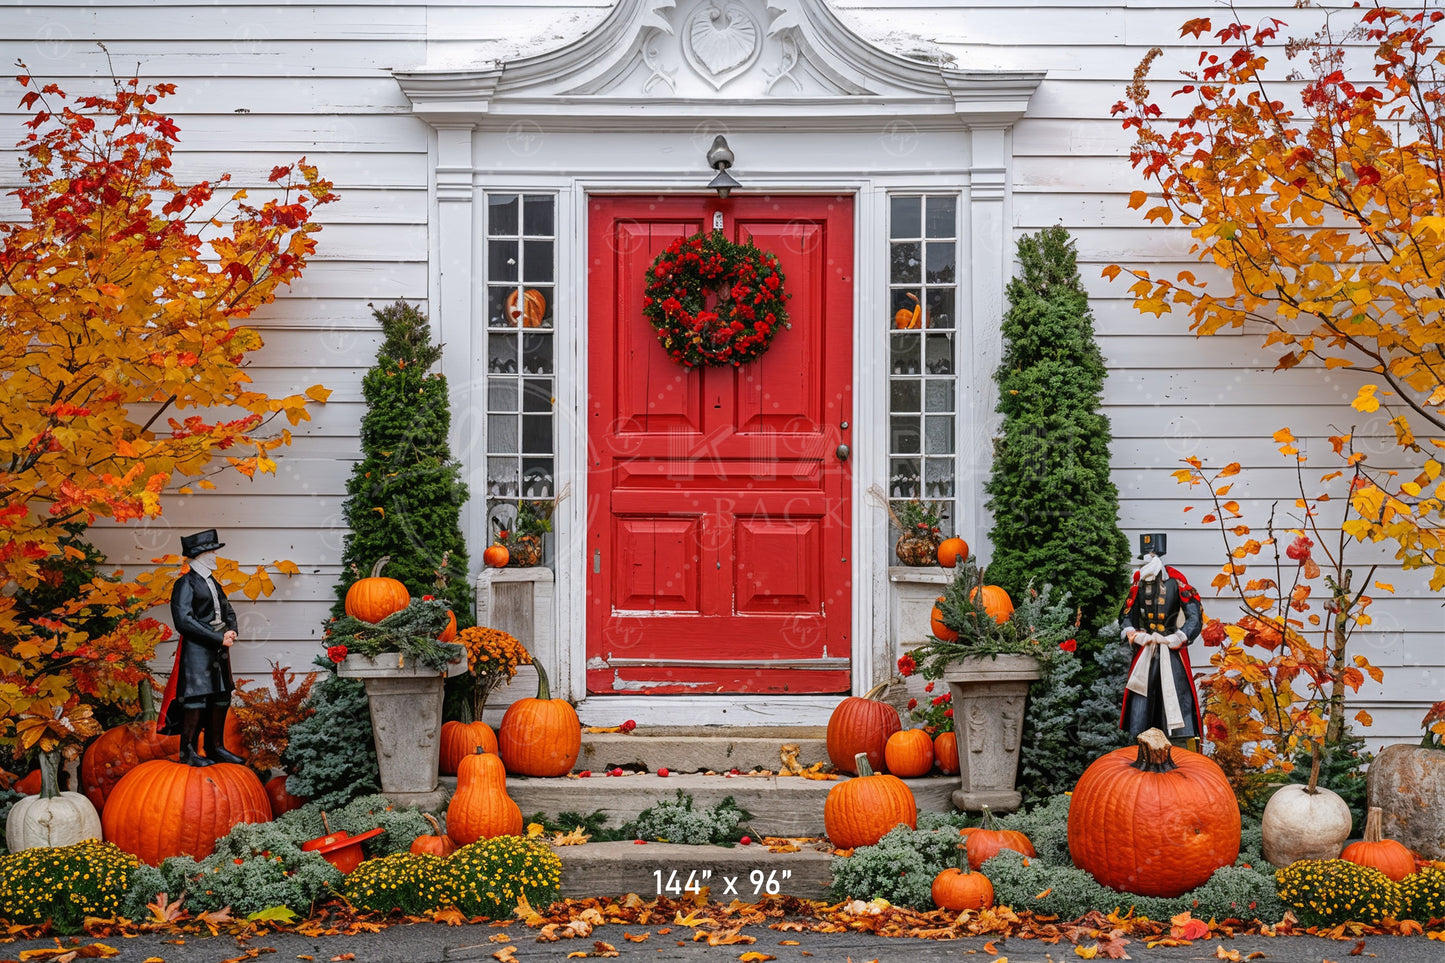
pixel 780 805
pixel 668 869
pixel 699 750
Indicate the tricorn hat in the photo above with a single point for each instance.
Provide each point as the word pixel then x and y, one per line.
pixel 193 545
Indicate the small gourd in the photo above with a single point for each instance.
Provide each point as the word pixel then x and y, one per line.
pixel 935 624
pixel 1304 821
pixel 1389 856
pixel 945 752
pixel 985 842
pixel 437 844
pixel 959 888
pixel 481 808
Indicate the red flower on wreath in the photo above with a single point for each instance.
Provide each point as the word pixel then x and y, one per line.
pixel 705 296
pixel 336 653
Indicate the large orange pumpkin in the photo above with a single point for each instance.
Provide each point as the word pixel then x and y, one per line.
pixel 945 752
pixel 117 751
pixel 994 601
pixel 860 811
pixel 162 808
pixel 1153 819
pixel 909 753
pixel 481 808
pixel 541 736
pixel 1389 856
pixel 461 739
pixel 935 623
pixel 373 599
pixel 861 724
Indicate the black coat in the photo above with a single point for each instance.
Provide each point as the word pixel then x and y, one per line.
pixel 203 663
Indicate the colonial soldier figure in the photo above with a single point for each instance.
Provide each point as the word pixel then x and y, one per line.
pixel 1162 616
pixel 198 694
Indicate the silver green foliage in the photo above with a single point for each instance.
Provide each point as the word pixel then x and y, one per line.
pixel 676 821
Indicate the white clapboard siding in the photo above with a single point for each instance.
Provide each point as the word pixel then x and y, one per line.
pixel 261 84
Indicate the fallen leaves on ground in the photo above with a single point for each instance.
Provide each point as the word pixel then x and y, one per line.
pixel 64 954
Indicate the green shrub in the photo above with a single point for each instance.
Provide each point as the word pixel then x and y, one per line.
pixel 64 884
pixel 1422 895
pixel 899 868
pixel 675 821
pixel 1046 826
pixel 331 755
pixel 404 882
pixel 489 877
pixel 1327 892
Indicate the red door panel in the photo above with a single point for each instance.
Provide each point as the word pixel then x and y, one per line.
pixel 718 512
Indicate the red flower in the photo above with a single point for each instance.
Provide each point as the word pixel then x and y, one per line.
pixel 428 598
pixel 948 713
pixel 906 665
pixel 1069 645
pixel 928 687
pixel 1299 549
pixel 912 704
pixel 336 653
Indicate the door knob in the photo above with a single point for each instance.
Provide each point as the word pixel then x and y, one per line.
pixel 843 452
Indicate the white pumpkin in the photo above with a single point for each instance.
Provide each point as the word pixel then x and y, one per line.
pixel 68 818
pixel 52 818
pixel 1304 822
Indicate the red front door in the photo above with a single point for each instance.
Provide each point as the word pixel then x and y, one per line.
pixel 718 516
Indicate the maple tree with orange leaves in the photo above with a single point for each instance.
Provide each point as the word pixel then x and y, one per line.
pixel 1327 218
pixel 122 376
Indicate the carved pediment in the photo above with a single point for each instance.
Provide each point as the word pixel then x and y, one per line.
pixel 778 58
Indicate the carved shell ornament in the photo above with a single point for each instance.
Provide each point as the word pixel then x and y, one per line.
pixel 721 40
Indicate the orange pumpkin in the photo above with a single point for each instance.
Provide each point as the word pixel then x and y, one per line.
pixel 450 632
pixel 439 844
pixel 995 602
pixel 950 550
pixel 909 318
pixel 281 801
pixel 117 751
pixel 861 724
pixel 162 808
pixel 534 306
pixel 985 842
pixel 958 888
pixel 496 556
pixel 860 811
pixel 909 753
pixel 1389 856
pixel 481 808
pixel 373 599
pixel 935 623
pixel 29 784
pixel 541 736
pixel 945 752
pixel 462 739
pixel 1153 819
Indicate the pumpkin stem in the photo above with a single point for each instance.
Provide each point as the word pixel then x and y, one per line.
pixel 50 774
pixel 860 761
pixel 1373 830
pixel 987 820
pixel 963 864
pixel 325 824
pixel 380 564
pixel 544 691
pixel 1312 786
pixel 436 827
pixel 877 690
pixel 1154 752
pixel 147 701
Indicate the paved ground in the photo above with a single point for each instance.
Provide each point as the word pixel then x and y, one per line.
pixel 432 943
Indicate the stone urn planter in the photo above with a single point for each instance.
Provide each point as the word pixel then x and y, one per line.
pixel 1407 783
pixel 405 700
pixel 989 696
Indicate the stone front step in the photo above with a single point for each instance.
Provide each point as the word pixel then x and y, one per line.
pixel 780 806
pixel 665 869
pixel 699 750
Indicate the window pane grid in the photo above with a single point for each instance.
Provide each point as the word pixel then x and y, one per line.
pixel 922 317
pixel 519 292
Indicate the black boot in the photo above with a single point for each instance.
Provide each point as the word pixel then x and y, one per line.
pixel 190 729
pixel 215 735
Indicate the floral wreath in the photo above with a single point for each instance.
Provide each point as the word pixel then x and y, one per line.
pixel 713 301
